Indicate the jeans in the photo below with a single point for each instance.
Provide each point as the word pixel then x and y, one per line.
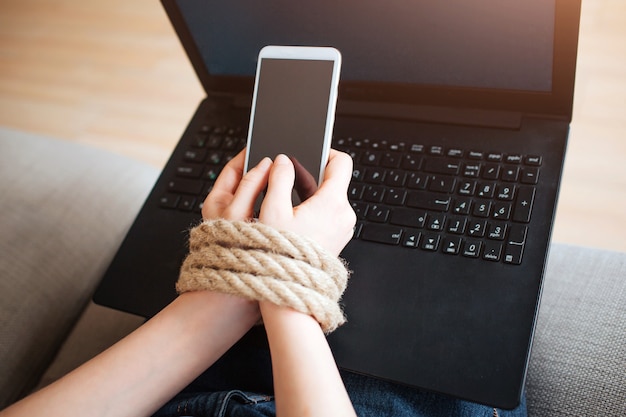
pixel 240 385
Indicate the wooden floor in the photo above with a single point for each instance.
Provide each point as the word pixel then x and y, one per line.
pixel 113 75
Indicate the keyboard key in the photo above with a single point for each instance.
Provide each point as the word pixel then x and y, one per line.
pixel 381 233
pixel 417 181
pixel 214 141
pixel 471 170
pixel 374 193
pixel 411 238
pixel 467 187
pixel 496 231
pixel 169 201
pixel 215 157
pixel 471 248
pixel 442 166
pixel 494 156
pixel 482 209
pixel 476 228
pixel 395 196
pixel 408 217
pixel 195 155
pixel 187 203
pixel 427 201
pixel 515 246
pixel 510 174
pixel 502 211
pixel 441 184
pixel 524 204
pixel 371 158
pixel 391 159
pixel 478 155
pixel 485 190
pixel 192 171
pixel 374 175
pixel 533 160
pixel 435 150
pixel 411 162
pixel 492 251
pixel 457 225
pixel 185 186
pixel 491 172
pixel 455 153
pixel 513 159
pixel 505 192
pixel 378 214
pixel 395 178
pixel 436 221
pixel 430 241
pixel 462 206
pixel 452 245
pixel 530 175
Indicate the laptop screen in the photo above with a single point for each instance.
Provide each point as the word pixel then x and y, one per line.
pixel 479 53
pixel 485 44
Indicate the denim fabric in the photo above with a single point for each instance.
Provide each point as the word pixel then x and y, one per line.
pixel 370 397
pixel 373 398
pixel 240 385
pixel 219 404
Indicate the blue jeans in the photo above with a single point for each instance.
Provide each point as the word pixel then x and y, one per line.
pixel 240 385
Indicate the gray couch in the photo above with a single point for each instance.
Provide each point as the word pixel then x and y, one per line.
pixel 64 209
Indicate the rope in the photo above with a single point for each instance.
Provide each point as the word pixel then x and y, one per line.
pixel 258 262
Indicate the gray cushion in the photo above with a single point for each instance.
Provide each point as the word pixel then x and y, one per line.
pixel 578 362
pixel 64 209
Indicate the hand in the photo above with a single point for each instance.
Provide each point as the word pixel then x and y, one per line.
pixel 234 194
pixel 325 217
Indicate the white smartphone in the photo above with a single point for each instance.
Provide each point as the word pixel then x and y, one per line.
pixel 293 111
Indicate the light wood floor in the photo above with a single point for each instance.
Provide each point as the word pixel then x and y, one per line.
pixel 112 74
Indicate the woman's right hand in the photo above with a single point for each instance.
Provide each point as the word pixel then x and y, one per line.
pixel 326 217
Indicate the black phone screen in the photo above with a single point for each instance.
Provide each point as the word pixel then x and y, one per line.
pixel 290 116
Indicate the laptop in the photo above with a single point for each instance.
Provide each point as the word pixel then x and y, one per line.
pixel 456 115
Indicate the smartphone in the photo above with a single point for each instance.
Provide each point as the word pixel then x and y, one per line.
pixel 293 111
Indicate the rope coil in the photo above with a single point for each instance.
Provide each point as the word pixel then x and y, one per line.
pixel 258 262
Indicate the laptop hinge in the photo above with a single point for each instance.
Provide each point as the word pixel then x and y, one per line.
pixel 432 114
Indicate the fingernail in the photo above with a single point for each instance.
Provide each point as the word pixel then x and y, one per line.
pixel 264 163
pixel 281 159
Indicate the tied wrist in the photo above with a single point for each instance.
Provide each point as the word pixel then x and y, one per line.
pixel 258 262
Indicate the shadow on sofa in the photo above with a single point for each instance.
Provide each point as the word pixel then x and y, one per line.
pixel 65 209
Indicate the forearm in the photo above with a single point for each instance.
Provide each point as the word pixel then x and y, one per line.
pixel 303 366
pixel 147 368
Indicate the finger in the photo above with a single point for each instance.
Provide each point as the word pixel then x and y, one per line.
pixel 338 173
pixel 224 188
pixel 251 185
pixel 277 203
pixel 231 174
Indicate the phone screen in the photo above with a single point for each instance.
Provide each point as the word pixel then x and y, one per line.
pixel 290 116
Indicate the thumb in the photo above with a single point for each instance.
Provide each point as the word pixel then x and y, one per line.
pixel 277 205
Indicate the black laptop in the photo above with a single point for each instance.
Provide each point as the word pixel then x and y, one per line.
pixel 456 114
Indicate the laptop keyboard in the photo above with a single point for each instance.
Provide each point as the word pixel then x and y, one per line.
pixel 452 201
pixel 210 149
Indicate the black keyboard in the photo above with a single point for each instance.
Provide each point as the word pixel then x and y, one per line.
pixel 463 202
pixel 202 161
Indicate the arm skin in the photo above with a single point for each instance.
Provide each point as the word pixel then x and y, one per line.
pixel 302 363
pixel 151 365
pixel 140 373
